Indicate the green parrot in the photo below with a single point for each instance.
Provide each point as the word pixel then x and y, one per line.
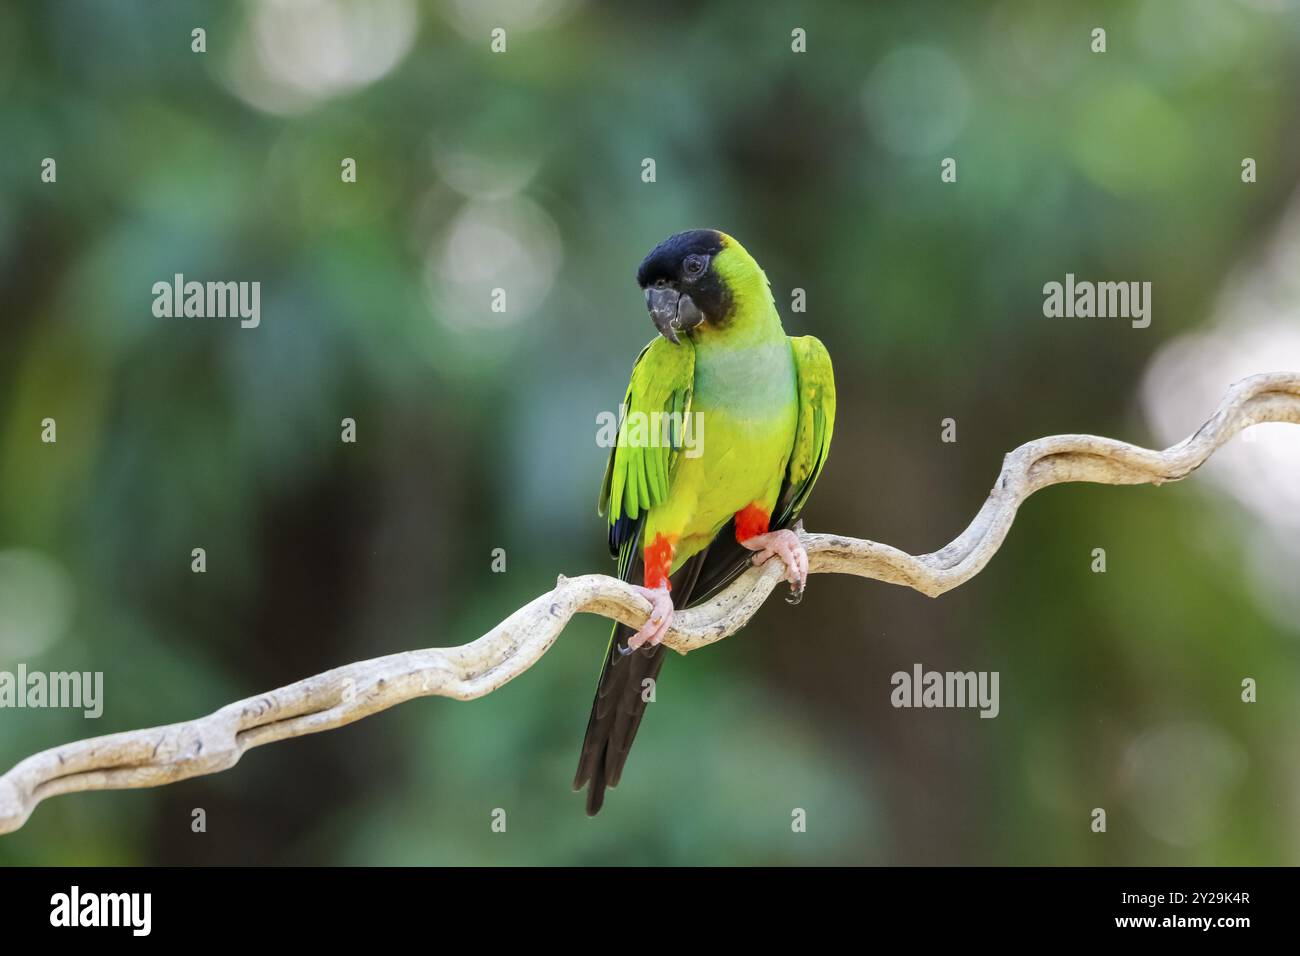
pixel 746 414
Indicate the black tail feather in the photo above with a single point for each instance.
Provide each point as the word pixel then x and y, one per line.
pixel 620 701
pixel 615 715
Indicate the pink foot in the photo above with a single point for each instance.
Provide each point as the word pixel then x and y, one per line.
pixel 656 626
pixel 785 545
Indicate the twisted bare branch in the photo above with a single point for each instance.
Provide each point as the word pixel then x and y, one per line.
pixel 160 755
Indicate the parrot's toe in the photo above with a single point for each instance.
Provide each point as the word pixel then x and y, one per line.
pixel 785 545
pixel 657 624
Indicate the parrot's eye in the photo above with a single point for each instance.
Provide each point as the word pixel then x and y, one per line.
pixel 694 265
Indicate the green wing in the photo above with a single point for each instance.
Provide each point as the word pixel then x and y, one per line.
pixel 638 476
pixel 650 436
pixel 812 437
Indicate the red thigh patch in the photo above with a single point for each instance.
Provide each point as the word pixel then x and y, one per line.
pixel 750 520
pixel 658 562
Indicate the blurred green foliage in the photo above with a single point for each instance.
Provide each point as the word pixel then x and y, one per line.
pixel 477 430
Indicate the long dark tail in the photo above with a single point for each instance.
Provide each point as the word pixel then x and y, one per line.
pixel 622 690
pixel 615 715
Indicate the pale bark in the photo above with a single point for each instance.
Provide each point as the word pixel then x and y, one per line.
pixel 159 755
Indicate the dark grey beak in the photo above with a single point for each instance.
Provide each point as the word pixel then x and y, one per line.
pixel 672 312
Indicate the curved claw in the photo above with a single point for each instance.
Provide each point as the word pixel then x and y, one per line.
pixel 785 545
pixel 656 625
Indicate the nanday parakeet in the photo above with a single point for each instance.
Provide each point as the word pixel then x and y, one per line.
pixel 685 525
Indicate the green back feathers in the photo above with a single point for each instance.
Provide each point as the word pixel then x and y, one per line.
pixel 812 438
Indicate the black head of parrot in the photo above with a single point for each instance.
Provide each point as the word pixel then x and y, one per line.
pixel 682 288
